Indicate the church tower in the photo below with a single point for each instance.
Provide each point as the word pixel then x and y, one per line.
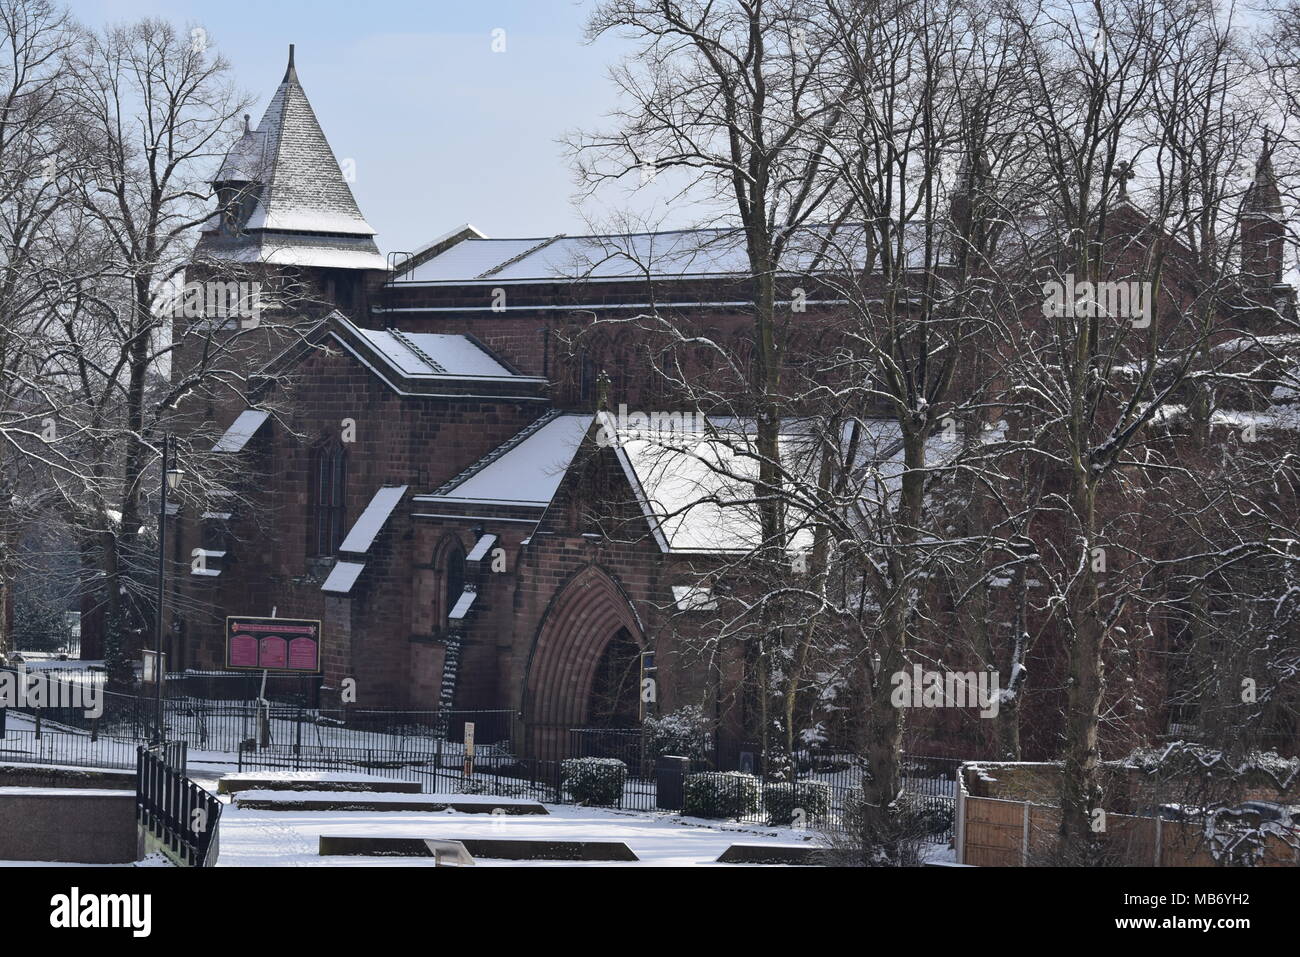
pixel 1263 239
pixel 285 208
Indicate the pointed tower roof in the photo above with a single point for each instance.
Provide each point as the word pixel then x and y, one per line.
pixel 300 209
pixel 1263 199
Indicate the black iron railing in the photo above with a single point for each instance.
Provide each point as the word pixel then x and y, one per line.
pixel 179 814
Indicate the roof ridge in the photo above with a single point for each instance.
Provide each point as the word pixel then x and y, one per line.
pixel 517 439
pixel 415 350
pixel 523 255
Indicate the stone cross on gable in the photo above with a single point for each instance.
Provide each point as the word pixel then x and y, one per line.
pixel 1124 173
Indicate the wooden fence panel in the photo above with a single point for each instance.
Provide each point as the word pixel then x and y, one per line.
pixel 993 832
pixel 1000 833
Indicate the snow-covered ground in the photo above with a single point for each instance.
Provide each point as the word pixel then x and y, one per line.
pixel 378 797
pixel 291 838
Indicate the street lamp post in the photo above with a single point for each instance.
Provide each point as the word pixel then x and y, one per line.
pixel 171 480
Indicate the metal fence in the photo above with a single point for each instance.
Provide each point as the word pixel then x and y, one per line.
pixel 208 724
pixel 55 747
pixel 817 801
pixel 425 746
pixel 179 814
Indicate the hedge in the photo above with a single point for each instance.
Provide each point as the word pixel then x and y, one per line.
pixel 594 780
pixel 721 794
pixel 813 798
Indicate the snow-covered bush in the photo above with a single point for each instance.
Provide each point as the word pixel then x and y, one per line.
pixel 594 780
pixel 812 797
pixel 39 625
pixel 685 732
pixel 494 788
pixel 721 794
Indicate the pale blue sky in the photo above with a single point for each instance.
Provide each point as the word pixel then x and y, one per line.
pixel 442 129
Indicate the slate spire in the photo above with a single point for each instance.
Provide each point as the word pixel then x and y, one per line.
pixel 288 198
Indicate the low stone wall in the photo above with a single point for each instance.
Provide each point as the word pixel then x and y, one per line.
pixel 308 781
pixel 72 824
pixel 504 849
pixel 47 776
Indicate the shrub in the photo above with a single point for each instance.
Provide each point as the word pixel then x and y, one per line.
pixel 493 788
pixel 685 732
pixel 896 838
pixel 721 794
pixel 40 625
pixel 594 780
pixel 813 797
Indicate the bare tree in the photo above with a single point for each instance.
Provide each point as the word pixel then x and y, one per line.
pixel 724 94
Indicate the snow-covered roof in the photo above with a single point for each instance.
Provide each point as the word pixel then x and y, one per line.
pixel 432 365
pixel 524 471
pixel 697 487
pixel 241 431
pixel 1276 416
pixel 481 548
pixel 463 605
pixel 671 254
pixel 366 528
pixel 342 577
pixel 247 160
pixel 427 353
pixel 303 186
pixel 297 187
pixel 289 249
pixel 1283 342
pixel 694 598
pixel 464 230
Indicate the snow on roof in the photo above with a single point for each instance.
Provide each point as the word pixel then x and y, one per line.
pixel 246 161
pixel 672 254
pixel 1281 341
pixel 286 249
pixel 695 488
pixel 372 520
pixel 466 228
pixel 463 604
pixel 300 198
pixel 481 548
pixel 1280 416
pixel 527 469
pixel 303 186
pixel 698 487
pixel 241 431
pixel 694 598
pixel 302 220
pixel 428 353
pixel 342 577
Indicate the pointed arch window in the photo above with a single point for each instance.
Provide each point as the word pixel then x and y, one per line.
pixel 328 522
pixel 455 583
pixel 449 562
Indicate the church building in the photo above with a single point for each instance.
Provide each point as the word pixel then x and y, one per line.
pixel 427 473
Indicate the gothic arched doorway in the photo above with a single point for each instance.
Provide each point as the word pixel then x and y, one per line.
pixel 584 669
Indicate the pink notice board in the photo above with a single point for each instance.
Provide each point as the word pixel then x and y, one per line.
pixel 273 644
